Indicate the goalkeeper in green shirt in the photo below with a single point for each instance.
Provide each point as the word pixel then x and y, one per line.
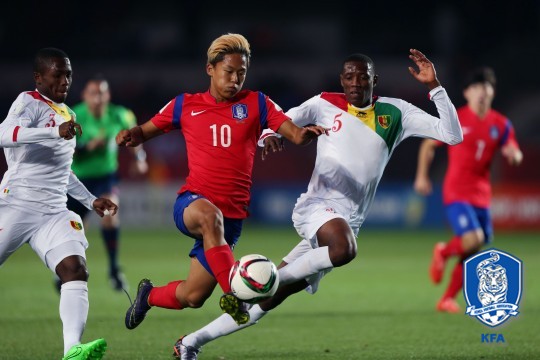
pixel 96 160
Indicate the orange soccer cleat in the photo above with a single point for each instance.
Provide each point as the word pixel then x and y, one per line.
pixel 436 269
pixel 448 305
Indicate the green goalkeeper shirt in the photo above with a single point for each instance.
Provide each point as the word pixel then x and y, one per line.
pixel 101 161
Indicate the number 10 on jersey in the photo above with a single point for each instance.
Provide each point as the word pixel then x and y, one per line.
pixel 221 136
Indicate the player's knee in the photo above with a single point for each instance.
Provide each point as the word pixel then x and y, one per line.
pixel 342 255
pixel 473 241
pixel 72 271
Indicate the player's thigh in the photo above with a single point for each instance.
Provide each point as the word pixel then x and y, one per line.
pixel 201 215
pixel 311 216
pixel 188 213
pixel 57 230
pixel 336 232
pixel 16 229
pixel 198 285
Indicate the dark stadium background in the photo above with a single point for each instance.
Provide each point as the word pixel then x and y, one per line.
pixel 152 51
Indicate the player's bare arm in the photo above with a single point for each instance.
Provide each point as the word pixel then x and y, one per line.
pixel 298 135
pixel 422 183
pixel 104 206
pixel 426 73
pixel 138 134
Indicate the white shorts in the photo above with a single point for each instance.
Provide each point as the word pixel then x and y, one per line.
pixel 311 213
pixel 53 237
pixel 308 216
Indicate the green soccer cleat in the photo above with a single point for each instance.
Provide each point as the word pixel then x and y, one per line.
pixel 93 350
pixel 235 307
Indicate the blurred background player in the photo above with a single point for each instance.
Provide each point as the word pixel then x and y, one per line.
pixel 365 130
pixel 96 161
pixel 467 187
pixel 38 140
pixel 221 127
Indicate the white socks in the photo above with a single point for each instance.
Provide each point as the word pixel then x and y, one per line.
pixel 223 325
pixel 73 311
pixel 310 263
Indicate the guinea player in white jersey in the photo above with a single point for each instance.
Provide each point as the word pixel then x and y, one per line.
pixel 38 137
pixel 221 127
pixel 365 130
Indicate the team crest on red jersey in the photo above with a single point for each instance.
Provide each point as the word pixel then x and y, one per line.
pixel 239 111
pixel 384 121
pixel 76 225
pixel 494 132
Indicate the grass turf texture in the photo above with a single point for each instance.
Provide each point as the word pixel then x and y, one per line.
pixel 380 306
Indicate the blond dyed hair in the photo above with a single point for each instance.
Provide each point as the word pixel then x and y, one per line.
pixel 228 44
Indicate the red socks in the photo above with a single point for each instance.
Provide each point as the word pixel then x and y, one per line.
pixel 456 281
pixel 165 296
pixel 221 260
pixel 453 247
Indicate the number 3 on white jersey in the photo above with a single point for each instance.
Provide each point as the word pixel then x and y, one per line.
pixel 224 135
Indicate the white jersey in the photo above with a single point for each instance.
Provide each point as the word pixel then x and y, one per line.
pixel 351 160
pixel 39 161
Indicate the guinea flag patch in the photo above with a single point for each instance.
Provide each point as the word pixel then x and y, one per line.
pixel 76 225
pixel 384 121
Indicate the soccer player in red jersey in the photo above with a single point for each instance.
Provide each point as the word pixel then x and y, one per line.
pixel 467 188
pixel 221 127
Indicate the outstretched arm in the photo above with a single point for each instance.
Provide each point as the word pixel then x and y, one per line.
pixel 138 134
pixel 16 135
pixel 300 135
pixel 417 122
pixel 79 192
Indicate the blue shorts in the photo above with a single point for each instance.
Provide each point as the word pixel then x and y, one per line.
pixel 98 186
pixel 464 217
pixel 232 227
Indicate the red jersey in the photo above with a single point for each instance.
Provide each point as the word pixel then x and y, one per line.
pixel 468 175
pixel 221 141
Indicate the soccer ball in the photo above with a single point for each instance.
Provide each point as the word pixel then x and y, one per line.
pixel 253 278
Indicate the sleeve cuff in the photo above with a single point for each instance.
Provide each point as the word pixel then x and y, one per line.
pixel 435 91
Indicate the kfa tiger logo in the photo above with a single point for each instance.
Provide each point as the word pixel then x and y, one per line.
pixel 492 286
pixel 240 111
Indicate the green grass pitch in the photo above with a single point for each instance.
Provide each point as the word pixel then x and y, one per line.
pixel 380 306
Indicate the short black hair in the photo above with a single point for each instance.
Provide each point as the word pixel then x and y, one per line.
pixel 480 74
pixel 43 57
pixel 359 58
